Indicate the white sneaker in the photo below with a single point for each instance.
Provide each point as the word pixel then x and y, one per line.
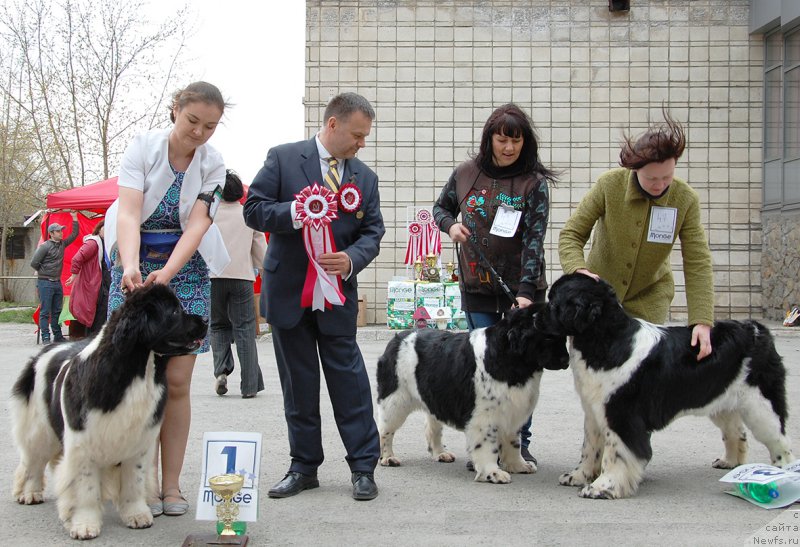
pixel 221 384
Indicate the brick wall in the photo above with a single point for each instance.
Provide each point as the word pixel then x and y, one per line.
pixel 435 70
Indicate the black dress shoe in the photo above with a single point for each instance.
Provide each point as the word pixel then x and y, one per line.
pixel 293 483
pixel 364 487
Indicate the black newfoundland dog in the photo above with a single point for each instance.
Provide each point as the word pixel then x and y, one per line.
pixel 93 410
pixel 634 377
pixel 485 383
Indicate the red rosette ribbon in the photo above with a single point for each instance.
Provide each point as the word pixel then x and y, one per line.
pixel 316 207
pixel 414 246
pixel 350 198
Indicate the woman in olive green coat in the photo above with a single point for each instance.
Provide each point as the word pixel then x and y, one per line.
pixel 636 212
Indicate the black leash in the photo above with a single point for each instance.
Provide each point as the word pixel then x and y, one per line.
pixel 496 275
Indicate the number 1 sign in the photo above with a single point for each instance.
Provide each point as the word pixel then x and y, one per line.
pixel 230 452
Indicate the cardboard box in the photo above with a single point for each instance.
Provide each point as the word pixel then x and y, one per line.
pixel 361 321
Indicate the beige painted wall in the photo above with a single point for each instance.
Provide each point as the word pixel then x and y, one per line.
pixel 434 70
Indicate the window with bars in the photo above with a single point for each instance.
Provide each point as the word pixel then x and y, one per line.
pixel 15 244
pixel 782 120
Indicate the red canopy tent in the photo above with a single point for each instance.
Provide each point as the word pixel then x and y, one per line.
pixel 96 197
pixel 92 198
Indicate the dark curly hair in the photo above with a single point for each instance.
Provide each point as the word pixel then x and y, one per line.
pixel 511 121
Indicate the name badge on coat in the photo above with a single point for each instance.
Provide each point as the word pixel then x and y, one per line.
pixel 506 220
pixel 662 225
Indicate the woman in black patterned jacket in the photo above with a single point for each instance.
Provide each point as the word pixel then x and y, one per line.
pixel 503 199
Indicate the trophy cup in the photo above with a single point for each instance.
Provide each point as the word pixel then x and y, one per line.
pixel 226 487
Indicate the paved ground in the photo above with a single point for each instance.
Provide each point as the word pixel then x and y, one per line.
pixel 421 503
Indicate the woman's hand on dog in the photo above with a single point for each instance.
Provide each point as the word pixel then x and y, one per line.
pixel 131 279
pixel 701 334
pixel 161 277
pixel 523 302
pixel 587 273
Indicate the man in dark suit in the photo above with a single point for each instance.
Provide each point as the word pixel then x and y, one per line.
pixel 298 332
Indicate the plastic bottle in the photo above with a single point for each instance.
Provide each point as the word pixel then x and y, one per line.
pixel 763 493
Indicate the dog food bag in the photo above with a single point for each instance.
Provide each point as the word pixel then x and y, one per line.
pixel 452 297
pixel 430 295
pixel 400 305
pixel 400 321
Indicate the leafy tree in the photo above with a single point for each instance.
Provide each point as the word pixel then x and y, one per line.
pixel 88 74
pixel 78 78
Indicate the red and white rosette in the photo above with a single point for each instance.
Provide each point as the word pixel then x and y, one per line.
pixel 350 198
pixel 423 237
pixel 316 207
pixel 414 246
pixel 431 237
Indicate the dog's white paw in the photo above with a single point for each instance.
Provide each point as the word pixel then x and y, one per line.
pixel 84 530
pixel 29 498
pixel 576 477
pixel 497 476
pixel 594 493
pixel 446 457
pixel 390 461
pixel 722 463
pixel 143 519
pixel 521 467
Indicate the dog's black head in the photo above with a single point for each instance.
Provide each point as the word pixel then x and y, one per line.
pixel 575 303
pixel 532 344
pixel 152 318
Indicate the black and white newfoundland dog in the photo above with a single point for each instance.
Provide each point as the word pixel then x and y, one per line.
pixel 484 383
pixel 93 409
pixel 634 378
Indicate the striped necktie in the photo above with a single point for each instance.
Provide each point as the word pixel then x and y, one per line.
pixel 332 177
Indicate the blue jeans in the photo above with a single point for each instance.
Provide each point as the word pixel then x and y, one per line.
pixel 51 296
pixel 477 320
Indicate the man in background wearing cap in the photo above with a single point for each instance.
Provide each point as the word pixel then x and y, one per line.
pixel 48 261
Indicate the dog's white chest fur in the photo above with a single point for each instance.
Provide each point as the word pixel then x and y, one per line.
pixel 596 386
pixel 109 437
pixel 499 399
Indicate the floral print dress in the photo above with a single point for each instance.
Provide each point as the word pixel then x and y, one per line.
pixel 191 284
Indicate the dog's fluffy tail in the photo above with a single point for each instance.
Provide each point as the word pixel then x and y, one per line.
pixel 767 371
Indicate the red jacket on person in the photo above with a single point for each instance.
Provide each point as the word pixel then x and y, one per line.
pixel 86 288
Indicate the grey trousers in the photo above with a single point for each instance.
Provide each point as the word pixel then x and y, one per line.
pixel 233 319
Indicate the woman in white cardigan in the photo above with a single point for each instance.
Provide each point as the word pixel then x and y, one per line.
pixel 160 231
